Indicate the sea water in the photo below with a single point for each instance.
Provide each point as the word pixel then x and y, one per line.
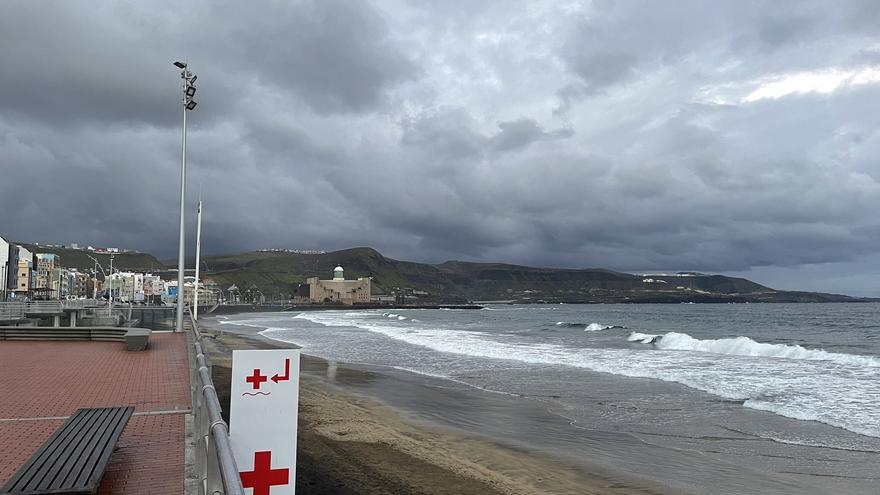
pixel 699 375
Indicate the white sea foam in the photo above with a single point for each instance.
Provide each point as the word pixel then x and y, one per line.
pixel 805 414
pixel 401 317
pixel 838 389
pixel 744 346
pixel 644 338
pixel 588 327
pixel 243 323
pixel 595 327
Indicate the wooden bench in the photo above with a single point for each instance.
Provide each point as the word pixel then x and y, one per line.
pixel 74 458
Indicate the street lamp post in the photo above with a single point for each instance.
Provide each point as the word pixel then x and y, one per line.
pixel 110 292
pixel 198 255
pixel 95 272
pixel 189 91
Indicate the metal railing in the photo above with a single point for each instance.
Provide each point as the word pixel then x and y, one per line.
pixel 44 307
pixel 215 463
pixel 12 311
pixel 15 310
pixel 80 304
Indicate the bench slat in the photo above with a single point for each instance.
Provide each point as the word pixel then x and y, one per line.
pixel 99 457
pixel 75 457
pixel 78 455
pixel 51 465
pixel 59 439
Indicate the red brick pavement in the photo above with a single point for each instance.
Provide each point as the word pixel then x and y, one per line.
pixel 50 379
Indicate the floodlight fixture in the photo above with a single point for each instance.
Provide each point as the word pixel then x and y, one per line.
pixel 191 105
pixel 192 80
pixel 190 91
pixel 180 65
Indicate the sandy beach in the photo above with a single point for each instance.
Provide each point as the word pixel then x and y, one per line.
pixel 350 443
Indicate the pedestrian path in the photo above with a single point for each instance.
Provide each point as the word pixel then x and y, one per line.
pixel 42 383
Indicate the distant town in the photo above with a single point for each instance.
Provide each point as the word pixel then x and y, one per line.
pixel 27 275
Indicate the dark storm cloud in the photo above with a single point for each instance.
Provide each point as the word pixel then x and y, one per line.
pixel 715 136
pixel 334 55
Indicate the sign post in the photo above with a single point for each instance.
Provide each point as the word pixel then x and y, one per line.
pixel 263 419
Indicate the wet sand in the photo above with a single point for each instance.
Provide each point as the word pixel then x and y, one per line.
pixel 351 443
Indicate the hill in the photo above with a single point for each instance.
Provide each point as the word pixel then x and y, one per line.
pixel 79 259
pixel 457 281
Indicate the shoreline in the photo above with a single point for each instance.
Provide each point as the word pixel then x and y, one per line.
pixel 579 421
pixel 353 442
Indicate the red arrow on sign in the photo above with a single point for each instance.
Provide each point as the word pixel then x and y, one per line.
pixel 286 376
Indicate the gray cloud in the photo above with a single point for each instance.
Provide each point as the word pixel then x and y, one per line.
pixel 625 135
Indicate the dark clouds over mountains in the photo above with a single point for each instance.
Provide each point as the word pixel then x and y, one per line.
pixel 715 136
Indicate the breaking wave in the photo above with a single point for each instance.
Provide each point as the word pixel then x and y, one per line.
pixel 744 346
pixel 643 338
pixel 588 327
pixel 789 380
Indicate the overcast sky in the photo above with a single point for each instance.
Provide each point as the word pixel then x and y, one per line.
pixel 737 137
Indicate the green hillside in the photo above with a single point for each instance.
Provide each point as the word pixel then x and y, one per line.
pixel 280 273
pixel 79 259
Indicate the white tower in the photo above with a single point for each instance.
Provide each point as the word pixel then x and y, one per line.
pixel 338 273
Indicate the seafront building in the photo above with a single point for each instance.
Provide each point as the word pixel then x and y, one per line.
pixel 338 290
pixel 207 297
pixel 154 287
pixel 21 269
pixel 27 276
pixel 209 294
pixel 4 267
pixel 74 283
pixel 46 280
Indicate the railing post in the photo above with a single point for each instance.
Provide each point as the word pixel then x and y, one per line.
pixel 214 484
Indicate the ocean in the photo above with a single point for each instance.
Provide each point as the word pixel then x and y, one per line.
pixel 783 388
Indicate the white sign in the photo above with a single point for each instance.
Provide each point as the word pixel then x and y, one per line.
pixel 263 418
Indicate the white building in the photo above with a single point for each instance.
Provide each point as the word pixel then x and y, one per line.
pixel 153 288
pixel 4 267
pixel 127 286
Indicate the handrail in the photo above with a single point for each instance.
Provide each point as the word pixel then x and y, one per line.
pixel 35 307
pixel 10 311
pixel 80 304
pixel 230 481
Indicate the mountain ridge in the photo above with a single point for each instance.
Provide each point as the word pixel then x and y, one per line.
pixel 459 281
pixel 280 273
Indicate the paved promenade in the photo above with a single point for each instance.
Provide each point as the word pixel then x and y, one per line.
pixel 42 383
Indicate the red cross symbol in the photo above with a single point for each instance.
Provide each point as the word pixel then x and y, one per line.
pixel 263 477
pixel 256 379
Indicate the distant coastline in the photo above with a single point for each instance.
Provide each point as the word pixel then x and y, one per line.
pixel 277 274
